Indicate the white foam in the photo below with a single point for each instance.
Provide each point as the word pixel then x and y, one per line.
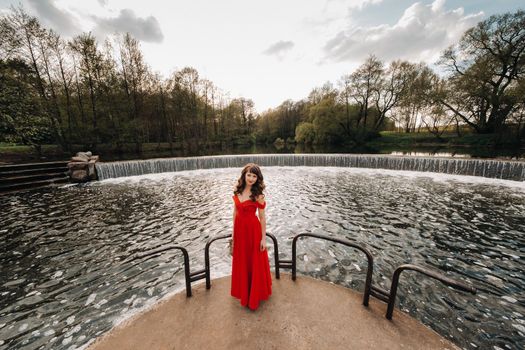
pixel 438 177
pixel 49 332
pixel 509 299
pixel 100 303
pixel 90 299
pixel 70 320
pixel 519 327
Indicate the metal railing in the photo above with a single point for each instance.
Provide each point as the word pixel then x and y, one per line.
pixel 370 259
pixel 386 296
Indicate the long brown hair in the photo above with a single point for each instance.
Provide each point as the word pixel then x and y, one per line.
pixel 257 188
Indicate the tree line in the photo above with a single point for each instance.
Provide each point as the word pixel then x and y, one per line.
pixel 482 87
pixel 82 91
pixel 85 92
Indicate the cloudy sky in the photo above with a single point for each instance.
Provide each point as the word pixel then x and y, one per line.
pixel 271 50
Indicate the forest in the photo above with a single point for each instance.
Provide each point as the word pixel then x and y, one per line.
pixel 81 93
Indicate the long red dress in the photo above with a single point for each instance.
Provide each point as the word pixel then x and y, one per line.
pixel 251 278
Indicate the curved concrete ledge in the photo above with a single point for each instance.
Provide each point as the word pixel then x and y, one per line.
pixel 305 314
pixel 500 169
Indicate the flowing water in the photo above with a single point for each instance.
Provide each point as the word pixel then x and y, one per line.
pixel 65 276
pixel 500 169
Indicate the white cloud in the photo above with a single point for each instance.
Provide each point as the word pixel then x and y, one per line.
pixel 60 20
pixel 421 33
pixel 357 4
pixel 279 48
pixel 144 29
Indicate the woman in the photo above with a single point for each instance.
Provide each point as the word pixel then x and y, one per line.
pixel 251 278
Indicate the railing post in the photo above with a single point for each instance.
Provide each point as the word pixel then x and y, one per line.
pixel 187 274
pixel 433 274
pixel 207 258
pixel 370 259
pixel 276 254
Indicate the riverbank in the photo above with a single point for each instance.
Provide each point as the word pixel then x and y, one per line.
pixel 451 139
pixel 414 144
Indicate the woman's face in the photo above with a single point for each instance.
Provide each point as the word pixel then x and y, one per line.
pixel 250 178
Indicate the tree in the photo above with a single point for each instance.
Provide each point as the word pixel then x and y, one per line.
pixel 416 96
pixel 134 73
pixel 26 40
pixel 485 66
pixel 305 132
pixel 390 88
pixel 90 58
pixel 59 49
pixel 326 117
pixel 345 84
pixel 22 118
pixel 364 81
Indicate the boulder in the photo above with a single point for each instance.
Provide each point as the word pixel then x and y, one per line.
pixel 79 175
pixel 82 167
pixel 81 157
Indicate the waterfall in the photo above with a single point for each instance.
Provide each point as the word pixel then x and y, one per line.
pixel 501 169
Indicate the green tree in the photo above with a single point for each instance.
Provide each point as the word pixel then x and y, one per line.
pixel 326 117
pixel 22 118
pixel 305 133
pixel 485 66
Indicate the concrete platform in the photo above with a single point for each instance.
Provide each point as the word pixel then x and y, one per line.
pixel 305 314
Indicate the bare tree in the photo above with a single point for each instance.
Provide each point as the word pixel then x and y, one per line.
pixel 364 82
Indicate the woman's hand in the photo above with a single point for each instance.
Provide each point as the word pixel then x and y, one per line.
pixel 262 246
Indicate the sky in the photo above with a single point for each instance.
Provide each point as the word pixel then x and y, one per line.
pixel 271 51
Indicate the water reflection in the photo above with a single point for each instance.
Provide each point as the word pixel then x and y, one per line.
pixel 66 277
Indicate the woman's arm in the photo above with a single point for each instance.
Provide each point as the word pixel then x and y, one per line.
pixel 262 219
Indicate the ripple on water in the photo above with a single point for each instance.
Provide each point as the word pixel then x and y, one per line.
pixel 67 276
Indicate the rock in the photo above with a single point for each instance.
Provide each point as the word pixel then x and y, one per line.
pixel 76 165
pixel 83 156
pixel 82 167
pixel 92 173
pixel 79 159
pixel 79 176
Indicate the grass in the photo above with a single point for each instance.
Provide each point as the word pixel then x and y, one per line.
pixel 390 138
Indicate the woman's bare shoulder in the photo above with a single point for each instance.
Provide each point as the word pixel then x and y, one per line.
pixel 260 198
